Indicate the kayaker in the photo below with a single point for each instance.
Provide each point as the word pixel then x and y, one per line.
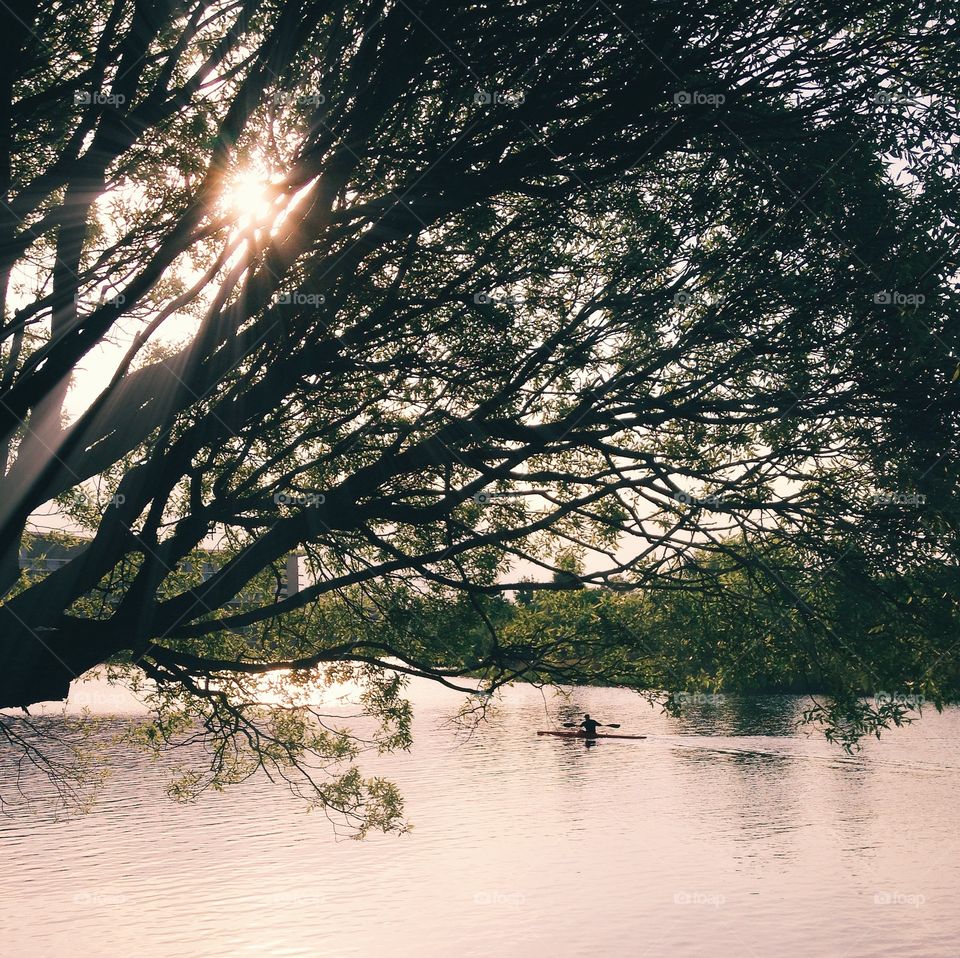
pixel 590 726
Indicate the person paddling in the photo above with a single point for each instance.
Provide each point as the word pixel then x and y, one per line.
pixel 589 726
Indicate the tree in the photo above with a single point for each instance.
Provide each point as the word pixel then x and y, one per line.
pixel 660 277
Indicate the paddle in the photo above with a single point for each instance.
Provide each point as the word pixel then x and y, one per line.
pixel 577 725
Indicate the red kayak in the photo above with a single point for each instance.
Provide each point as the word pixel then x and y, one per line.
pixel 575 734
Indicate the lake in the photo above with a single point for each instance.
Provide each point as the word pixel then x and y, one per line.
pixel 726 832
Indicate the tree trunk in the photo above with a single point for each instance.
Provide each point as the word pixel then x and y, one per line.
pixel 38 665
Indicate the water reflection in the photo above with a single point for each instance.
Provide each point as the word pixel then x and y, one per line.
pixel 740 715
pixel 725 832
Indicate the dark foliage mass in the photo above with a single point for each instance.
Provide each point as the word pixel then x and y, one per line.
pixel 640 298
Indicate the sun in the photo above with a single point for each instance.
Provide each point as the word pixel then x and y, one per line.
pixel 251 197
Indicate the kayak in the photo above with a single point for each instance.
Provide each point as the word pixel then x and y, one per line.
pixel 574 734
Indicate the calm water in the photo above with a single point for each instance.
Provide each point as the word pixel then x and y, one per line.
pixel 725 833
